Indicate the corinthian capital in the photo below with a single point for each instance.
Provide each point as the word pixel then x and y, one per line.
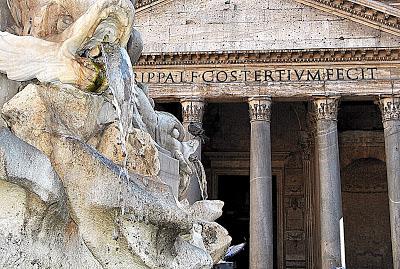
pixel 326 108
pixel 260 108
pixel 192 110
pixel 390 108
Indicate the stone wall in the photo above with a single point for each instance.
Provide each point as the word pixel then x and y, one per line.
pixel 364 186
pixel 214 25
pixel 228 126
pixel 366 214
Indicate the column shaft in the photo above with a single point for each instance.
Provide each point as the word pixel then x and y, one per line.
pixel 390 108
pixel 330 186
pixel 261 222
pixel 309 185
pixel 192 112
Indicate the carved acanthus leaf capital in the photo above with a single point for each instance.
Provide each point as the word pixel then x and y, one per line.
pixel 390 108
pixel 326 108
pixel 192 110
pixel 260 108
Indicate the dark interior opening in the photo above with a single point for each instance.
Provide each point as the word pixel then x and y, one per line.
pixel 356 115
pixel 174 108
pixel 234 190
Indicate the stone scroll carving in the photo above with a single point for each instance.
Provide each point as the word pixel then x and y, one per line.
pixel 83 151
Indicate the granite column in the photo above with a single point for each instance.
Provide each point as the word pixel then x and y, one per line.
pixel 261 222
pixel 390 108
pixel 331 218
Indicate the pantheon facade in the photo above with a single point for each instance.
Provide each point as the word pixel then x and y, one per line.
pixel 300 101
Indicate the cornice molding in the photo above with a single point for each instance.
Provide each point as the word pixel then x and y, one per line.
pixel 270 56
pixel 141 5
pixel 368 12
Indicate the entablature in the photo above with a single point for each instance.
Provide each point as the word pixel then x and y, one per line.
pixel 295 74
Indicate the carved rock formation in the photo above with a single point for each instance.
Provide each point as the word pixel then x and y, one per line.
pixel 80 172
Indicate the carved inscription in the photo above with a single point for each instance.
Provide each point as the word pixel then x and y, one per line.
pixel 256 75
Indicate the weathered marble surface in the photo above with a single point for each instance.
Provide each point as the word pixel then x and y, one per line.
pixel 58 122
pixel 261 214
pixel 67 199
pixel 390 108
pixel 214 25
pixel 35 228
pixel 331 217
pixel 8 88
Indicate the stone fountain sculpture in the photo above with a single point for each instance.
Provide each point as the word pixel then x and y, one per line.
pixel 82 158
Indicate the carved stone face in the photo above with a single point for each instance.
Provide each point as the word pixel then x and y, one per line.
pixel 65 38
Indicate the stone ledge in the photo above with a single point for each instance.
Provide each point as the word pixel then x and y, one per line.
pixel 141 5
pixel 269 56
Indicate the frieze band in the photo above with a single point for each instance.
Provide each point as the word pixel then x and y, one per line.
pixel 256 75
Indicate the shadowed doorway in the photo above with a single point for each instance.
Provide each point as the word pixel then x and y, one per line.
pixel 234 190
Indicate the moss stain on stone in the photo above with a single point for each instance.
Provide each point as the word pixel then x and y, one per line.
pixel 100 82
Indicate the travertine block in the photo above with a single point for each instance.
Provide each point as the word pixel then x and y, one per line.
pixel 274 24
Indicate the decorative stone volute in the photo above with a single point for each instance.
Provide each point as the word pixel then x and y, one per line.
pixel 390 108
pixel 260 108
pixel 192 110
pixel 326 108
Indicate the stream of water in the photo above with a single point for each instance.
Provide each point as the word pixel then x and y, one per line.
pixel 120 82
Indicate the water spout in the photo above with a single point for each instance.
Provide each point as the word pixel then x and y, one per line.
pixel 120 86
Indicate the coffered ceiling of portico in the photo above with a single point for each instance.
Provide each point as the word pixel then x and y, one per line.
pixel 233 25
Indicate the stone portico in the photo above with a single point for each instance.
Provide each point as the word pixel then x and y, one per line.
pixel 302 114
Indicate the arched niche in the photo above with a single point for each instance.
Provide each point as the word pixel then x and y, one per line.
pixel 366 215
